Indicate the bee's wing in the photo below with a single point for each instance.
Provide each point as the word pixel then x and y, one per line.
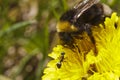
pixel 83 6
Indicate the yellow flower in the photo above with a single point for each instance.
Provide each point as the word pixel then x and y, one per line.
pixel 87 61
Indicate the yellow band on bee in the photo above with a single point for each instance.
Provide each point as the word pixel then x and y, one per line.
pixel 65 26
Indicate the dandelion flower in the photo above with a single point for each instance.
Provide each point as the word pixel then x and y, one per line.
pixel 82 63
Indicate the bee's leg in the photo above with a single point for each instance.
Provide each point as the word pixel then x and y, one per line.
pixel 87 28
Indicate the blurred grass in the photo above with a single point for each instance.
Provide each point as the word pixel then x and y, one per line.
pixel 26 34
pixel 4 32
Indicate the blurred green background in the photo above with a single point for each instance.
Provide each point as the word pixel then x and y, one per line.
pixel 27 30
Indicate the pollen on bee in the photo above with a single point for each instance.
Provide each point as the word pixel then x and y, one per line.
pixel 73 28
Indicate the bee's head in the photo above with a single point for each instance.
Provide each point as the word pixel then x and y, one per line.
pixel 66 23
pixel 68 15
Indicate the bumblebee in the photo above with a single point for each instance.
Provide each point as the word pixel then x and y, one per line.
pixel 83 16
